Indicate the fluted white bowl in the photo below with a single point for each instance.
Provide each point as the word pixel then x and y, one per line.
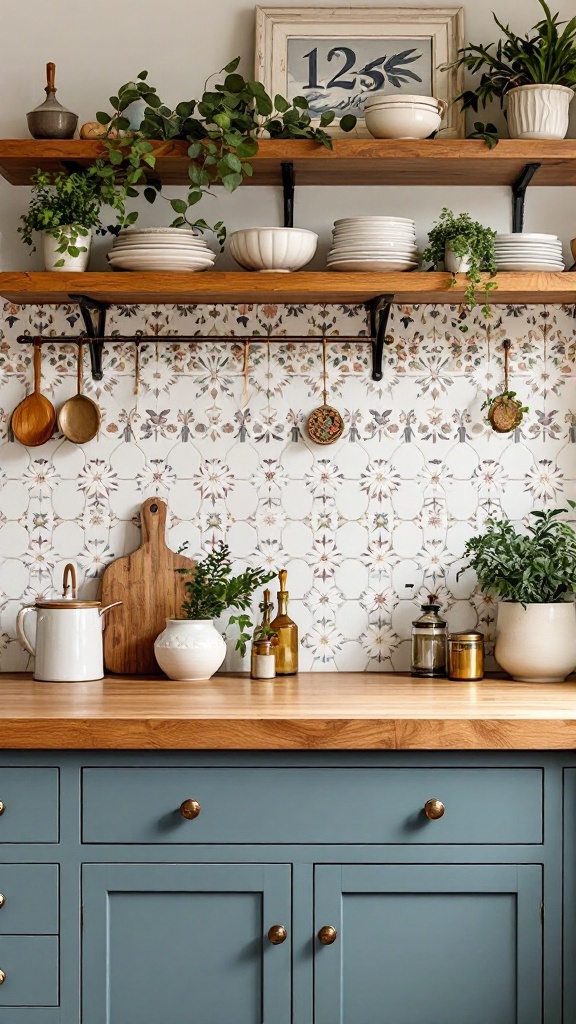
pixel 403 121
pixel 273 249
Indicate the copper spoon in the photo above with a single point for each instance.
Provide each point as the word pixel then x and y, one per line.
pixel 33 421
pixel 79 418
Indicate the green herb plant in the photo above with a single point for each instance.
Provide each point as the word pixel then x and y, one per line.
pixel 466 237
pixel 545 56
pixel 222 128
pixel 212 588
pixel 536 567
pixel 67 206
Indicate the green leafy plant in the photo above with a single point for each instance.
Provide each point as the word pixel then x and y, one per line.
pixel 466 237
pixel 545 56
pixel 487 132
pixel 212 588
pixel 222 128
pixel 536 567
pixel 67 206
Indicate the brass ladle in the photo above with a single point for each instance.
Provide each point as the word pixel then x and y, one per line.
pixel 325 424
pixel 79 418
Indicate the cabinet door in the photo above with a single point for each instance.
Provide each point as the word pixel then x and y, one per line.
pixel 185 942
pixel 429 944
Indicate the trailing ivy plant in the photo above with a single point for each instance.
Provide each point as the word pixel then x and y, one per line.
pixel 466 237
pixel 535 567
pixel 222 128
pixel 212 588
pixel 545 56
pixel 67 206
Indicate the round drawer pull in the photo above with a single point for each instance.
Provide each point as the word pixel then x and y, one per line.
pixel 2 899
pixel 2 807
pixel 277 934
pixel 190 809
pixel 434 809
pixel 2 977
pixel 327 935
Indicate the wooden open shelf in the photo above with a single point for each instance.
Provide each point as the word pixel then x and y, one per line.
pixel 325 287
pixel 352 161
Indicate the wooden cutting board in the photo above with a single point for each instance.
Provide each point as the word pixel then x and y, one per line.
pixel 151 592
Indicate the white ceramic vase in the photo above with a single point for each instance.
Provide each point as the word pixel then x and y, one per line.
pixel 538 111
pixel 190 649
pixel 455 264
pixel 74 264
pixel 536 643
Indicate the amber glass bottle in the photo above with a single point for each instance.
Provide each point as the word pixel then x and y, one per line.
pixel 287 632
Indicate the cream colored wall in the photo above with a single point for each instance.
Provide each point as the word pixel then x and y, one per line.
pixel 96 47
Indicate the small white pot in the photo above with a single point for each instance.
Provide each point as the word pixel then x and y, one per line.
pixel 455 264
pixel 538 111
pixel 190 649
pixel 74 264
pixel 536 643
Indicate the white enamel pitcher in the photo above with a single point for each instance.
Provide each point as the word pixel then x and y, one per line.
pixel 68 635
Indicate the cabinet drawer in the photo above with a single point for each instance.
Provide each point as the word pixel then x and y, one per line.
pixel 30 966
pixel 29 899
pixel 30 800
pixel 312 805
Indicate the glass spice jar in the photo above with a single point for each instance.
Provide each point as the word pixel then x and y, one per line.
pixel 262 660
pixel 465 655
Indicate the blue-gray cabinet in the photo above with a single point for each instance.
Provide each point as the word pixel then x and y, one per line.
pixel 303 888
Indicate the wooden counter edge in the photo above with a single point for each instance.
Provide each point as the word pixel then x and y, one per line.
pixel 296 734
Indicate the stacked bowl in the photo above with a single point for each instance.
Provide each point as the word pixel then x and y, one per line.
pixel 526 252
pixel 403 116
pixel 373 243
pixel 160 249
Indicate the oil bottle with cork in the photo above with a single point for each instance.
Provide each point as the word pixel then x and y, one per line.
pixel 287 632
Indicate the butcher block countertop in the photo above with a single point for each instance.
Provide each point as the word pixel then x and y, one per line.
pixel 311 711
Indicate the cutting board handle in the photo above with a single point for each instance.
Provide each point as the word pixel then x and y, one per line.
pixel 153 519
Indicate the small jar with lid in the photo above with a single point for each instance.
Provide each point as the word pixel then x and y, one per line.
pixel 263 659
pixel 465 655
pixel 429 643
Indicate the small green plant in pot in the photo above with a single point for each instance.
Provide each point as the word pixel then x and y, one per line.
pixel 191 647
pixel 64 209
pixel 532 573
pixel 466 246
pixel 535 73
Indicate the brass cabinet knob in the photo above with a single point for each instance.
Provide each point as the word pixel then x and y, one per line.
pixel 2 807
pixel 190 809
pixel 434 809
pixel 2 899
pixel 277 934
pixel 327 935
pixel 2 977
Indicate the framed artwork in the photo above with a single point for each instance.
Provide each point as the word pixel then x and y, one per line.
pixel 337 56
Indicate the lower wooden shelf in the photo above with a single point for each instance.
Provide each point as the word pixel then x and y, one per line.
pixel 321 287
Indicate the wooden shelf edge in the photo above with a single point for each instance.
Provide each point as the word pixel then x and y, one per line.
pixel 316 287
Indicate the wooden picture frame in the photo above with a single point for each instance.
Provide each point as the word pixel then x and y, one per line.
pixel 333 56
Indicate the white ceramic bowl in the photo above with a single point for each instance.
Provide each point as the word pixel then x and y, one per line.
pixel 379 99
pixel 403 120
pixel 279 249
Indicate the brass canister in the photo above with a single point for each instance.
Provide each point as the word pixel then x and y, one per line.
pixel 465 655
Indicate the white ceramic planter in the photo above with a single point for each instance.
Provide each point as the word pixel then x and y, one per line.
pixel 74 264
pixel 538 111
pixel 190 649
pixel 455 264
pixel 536 643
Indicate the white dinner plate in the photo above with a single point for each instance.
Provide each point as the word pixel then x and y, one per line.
pixel 372 265
pixel 556 268
pixel 526 237
pixel 159 263
pixel 158 250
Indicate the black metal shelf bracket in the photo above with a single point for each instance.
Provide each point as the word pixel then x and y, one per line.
pixel 519 195
pixel 379 315
pixel 94 315
pixel 288 182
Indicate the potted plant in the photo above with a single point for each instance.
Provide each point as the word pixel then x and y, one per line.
pixel 191 647
pixel 464 246
pixel 222 129
pixel 533 575
pixel 535 73
pixel 64 208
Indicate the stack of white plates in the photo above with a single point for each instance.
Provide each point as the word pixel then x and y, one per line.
pixel 160 249
pixel 373 243
pixel 527 252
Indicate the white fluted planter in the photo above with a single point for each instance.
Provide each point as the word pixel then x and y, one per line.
pixel 455 264
pixel 538 111
pixel 191 649
pixel 74 264
pixel 536 643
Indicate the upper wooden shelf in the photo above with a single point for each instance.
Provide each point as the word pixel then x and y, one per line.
pixel 352 161
pixel 221 286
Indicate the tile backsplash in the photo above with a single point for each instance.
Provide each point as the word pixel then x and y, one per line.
pixel 366 527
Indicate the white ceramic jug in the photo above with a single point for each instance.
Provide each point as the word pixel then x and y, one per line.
pixel 68 635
